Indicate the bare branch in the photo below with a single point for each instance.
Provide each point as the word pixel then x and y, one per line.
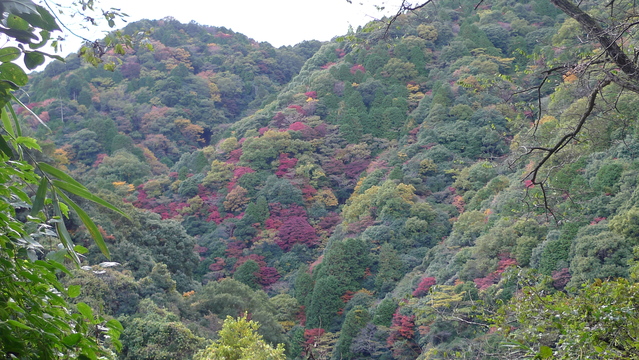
pixel 565 140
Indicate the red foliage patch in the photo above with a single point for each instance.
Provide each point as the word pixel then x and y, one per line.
pixel 355 168
pixel 298 108
pixel 311 335
pixel 347 296
pixel 234 156
pixel 424 286
pixel 259 259
pixel 402 327
pixel 241 170
pixel 308 192
pixel 298 126
pixel 235 249
pixel 327 65
pixel 296 230
pixel 329 221
pixel 285 164
pixel 560 278
pixel 99 159
pixel 267 275
pixel 218 265
pixel 495 276
pixel 357 67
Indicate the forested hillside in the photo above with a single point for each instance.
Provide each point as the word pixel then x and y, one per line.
pixel 365 198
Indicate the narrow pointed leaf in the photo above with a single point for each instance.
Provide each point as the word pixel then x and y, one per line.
pixel 19 324
pixel 6 123
pixel 88 223
pixel 63 233
pixel 86 194
pixel 15 118
pixel 4 147
pixel 59 174
pixel 29 111
pixel 41 194
pixel 53 265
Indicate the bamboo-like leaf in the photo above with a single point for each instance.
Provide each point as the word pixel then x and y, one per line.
pixel 88 223
pixel 86 194
pixel 28 110
pixel 41 194
pixel 53 265
pixel 4 147
pixel 14 116
pixel 46 168
pixel 65 237
pixel 6 123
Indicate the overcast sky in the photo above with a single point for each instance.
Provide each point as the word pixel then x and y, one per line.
pixel 280 22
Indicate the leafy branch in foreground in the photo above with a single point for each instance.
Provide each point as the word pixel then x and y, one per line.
pixel 36 320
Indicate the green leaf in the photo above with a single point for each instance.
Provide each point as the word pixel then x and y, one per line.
pixel 14 116
pixel 53 265
pixel 41 194
pixel 115 324
pixel 88 223
pixel 80 249
pixel 13 73
pixel 81 191
pixel 74 291
pixel 85 310
pixel 17 23
pixel 59 174
pixel 28 142
pixel 545 352
pixel 19 324
pixel 64 233
pixel 4 147
pixel 28 110
pixel 33 59
pixel 72 339
pixel 6 123
pixel 9 54
pixel 41 18
pixel 18 6
pixel 22 36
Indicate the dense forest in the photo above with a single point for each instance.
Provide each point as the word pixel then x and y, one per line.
pixel 365 198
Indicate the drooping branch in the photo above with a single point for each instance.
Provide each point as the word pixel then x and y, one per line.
pixel 403 8
pixel 612 49
pixel 565 140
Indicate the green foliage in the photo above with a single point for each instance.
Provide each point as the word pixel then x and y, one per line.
pixel 603 256
pixel 384 312
pixel 355 320
pixel 123 166
pixel 155 333
pixel 239 340
pixel 390 268
pixel 325 302
pixel 232 298
pixel 597 322
pixel 36 320
pixel 247 274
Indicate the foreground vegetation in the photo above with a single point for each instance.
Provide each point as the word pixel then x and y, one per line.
pixel 365 198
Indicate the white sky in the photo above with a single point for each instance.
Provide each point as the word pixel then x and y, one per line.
pixel 280 22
